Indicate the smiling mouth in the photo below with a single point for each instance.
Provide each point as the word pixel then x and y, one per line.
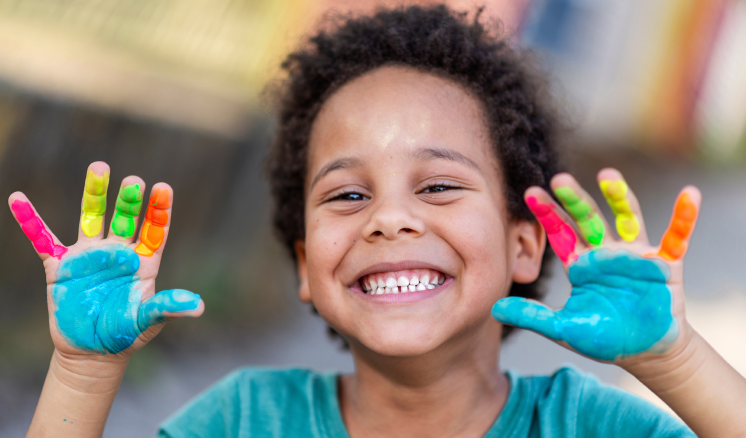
pixel 406 281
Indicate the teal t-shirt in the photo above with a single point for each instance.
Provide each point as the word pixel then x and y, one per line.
pixel 301 403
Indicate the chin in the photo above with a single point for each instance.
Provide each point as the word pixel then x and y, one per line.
pixel 406 343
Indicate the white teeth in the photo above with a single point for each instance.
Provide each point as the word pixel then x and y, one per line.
pixel 390 282
pixel 429 286
pixel 379 290
pixel 425 279
pixel 412 288
pixel 414 281
pixel 378 283
pixel 403 281
pixel 388 290
pixel 395 290
pixel 421 287
pixel 435 280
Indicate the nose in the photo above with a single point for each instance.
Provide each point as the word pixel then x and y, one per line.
pixel 393 219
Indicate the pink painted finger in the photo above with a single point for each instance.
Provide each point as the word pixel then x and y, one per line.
pixel 44 242
pixel 561 236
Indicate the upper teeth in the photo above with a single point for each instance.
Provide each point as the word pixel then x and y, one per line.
pixel 401 282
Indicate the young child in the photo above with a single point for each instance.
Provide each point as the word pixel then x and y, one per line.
pixel 411 146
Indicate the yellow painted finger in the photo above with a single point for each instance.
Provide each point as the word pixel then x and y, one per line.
pixel 94 203
pixel 627 223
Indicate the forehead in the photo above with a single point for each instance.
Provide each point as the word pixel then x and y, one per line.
pixel 392 109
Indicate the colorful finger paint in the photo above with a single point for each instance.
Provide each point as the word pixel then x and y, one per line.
pixel 561 236
pixel 676 238
pixel 156 218
pixel 620 306
pixel 35 231
pixel 98 305
pixel 129 203
pixel 94 203
pixel 585 216
pixel 627 224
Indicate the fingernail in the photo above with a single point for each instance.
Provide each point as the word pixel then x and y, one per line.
pixel 94 203
pixel 156 217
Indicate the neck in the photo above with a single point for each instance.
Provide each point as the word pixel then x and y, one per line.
pixel 456 390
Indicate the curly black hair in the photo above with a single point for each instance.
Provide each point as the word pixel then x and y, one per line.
pixel 438 41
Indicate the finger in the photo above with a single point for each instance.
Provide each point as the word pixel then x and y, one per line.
pixel 127 211
pixel 157 218
pixel 676 239
pixel 528 314
pixel 93 206
pixel 561 235
pixel 168 305
pixel 623 202
pixel 581 207
pixel 46 244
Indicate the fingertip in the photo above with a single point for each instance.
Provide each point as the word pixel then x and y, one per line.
pixel 99 168
pixel 17 195
pixel 695 195
pixel 133 179
pixel 609 174
pixel 562 179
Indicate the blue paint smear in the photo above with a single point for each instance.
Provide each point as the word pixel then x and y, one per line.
pixel 99 307
pixel 620 306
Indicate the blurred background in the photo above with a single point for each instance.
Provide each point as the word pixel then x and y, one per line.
pixel 172 91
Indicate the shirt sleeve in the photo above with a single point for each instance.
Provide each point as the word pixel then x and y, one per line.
pixel 605 411
pixel 213 413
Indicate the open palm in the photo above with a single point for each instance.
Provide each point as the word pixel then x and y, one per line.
pixel 101 291
pixel 627 296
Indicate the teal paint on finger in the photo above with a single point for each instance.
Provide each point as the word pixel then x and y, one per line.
pixel 527 314
pixel 152 311
pixel 98 304
pixel 620 306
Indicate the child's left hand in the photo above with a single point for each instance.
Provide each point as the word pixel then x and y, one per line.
pixel 627 295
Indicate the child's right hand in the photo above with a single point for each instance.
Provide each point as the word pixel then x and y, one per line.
pixel 101 291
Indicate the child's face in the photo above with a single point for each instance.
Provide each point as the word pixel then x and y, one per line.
pixel 402 182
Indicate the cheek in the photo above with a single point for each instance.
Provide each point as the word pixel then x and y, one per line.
pixel 326 244
pixel 479 237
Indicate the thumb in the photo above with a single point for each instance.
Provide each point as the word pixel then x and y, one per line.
pixel 168 305
pixel 528 314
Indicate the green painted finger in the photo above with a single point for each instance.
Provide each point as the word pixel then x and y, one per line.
pixel 94 203
pixel 129 203
pixel 589 222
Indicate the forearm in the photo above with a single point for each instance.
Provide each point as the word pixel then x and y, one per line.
pixel 76 398
pixel 701 387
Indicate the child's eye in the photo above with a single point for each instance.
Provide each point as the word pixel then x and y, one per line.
pixel 439 188
pixel 349 196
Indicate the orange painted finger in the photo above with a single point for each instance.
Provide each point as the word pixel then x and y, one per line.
pixel 153 231
pixel 676 239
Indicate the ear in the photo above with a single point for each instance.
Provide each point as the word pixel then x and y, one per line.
pixel 304 293
pixel 530 241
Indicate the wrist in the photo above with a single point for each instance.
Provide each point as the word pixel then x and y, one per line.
pixel 88 375
pixel 662 372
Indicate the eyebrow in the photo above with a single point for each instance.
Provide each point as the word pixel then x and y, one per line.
pixel 447 154
pixel 426 153
pixel 342 163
